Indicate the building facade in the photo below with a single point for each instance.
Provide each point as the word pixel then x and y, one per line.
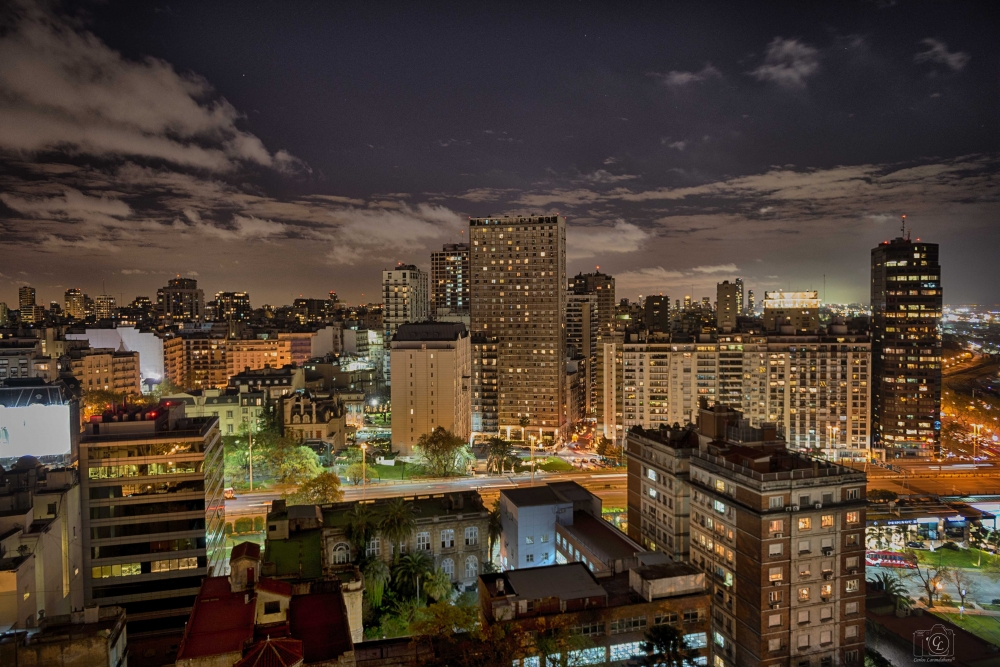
pixel 906 303
pixel 485 401
pixel 791 312
pixel 728 305
pixel 181 299
pixel 603 287
pixel 432 364
pixel 153 511
pixel 233 306
pixel 582 334
pixel 518 273
pixel 195 361
pixel 74 304
pixel 450 280
pixel 253 353
pixel 404 299
pixel 105 369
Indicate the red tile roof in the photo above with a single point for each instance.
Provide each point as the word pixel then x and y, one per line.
pixel 275 586
pixel 320 621
pixel 279 652
pixel 245 550
pixel 221 621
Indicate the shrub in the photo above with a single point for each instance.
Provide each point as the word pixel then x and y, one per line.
pixel 243 525
pixel 258 524
pixel 228 528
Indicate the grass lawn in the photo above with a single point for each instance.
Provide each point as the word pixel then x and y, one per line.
pixel 961 558
pixel 555 464
pixel 984 627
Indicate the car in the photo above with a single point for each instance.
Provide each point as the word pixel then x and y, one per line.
pixel 916 545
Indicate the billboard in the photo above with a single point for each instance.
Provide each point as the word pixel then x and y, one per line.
pixel 36 430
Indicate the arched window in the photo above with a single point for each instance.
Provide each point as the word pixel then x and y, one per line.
pixel 341 553
pixel 471 567
pixel 448 565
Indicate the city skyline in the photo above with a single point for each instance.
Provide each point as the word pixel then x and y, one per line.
pixel 781 154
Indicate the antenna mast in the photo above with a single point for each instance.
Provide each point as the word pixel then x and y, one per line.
pixel 902 226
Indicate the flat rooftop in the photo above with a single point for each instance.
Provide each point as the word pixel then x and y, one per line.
pixel 571 581
pixel 532 496
pixel 606 541
pixel 418 331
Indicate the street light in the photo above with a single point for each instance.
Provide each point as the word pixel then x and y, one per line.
pixel 975 439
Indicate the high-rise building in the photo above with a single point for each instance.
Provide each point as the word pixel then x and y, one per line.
pixel 195 361
pixel 4 314
pixel 450 280
pixel 432 364
pixel 906 339
pixel 233 306
pixel 751 304
pixel 656 316
pixel 181 300
pixel 741 302
pixel 781 534
pixel 405 299
pixel 582 329
pixel 31 312
pixel 74 304
pixel 105 369
pixel 797 310
pixel 152 530
pixel 729 303
pixel 602 285
pixel 105 307
pixel 518 295
pixel 484 385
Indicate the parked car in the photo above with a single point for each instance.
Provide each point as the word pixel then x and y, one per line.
pixel 916 545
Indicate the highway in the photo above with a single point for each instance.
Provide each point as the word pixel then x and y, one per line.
pixel 609 486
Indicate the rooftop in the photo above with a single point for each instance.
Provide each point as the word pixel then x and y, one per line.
pixel 320 621
pixel 571 581
pixel 532 496
pixel 221 621
pixel 601 537
pixel 417 331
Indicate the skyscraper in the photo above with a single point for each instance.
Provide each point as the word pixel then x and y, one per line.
pixel 656 316
pixel 30 311
pixel 450 280
pixel 741 302
pixel 74 304
pixel 181 300
pixel 404 295
pixel 105 307
pixel 906 348
pixel 233 306
pixel 729 300
pixel 751 304
pixel 518 295
pixel 602 285
pixel 581 339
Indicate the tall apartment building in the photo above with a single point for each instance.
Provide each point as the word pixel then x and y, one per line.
pixel 780 534
pixel 602 285
pixel 181 299
pixel 432 366
pixel 794 312
pixel 105 369
pixel 906 331
pixel 450 280
pixel 608 398
pixel 74 304
pixel 816 389
pixel 404 299
pixel 751 304
pixel 518 277
pixel 193 361
pixel 153 511
pixel 31 312
pixel 582 334
pixel 485 401
pixel 105 307
pixel 656 315
pixel 741 302
pixel 4 314
pixel 728 305
pixel 233 306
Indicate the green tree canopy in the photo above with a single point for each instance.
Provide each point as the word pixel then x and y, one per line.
pixel 665 645
pixel 412 567
pixel 361 527
pixel 322 489
pixel 438 585
pixel 441 452
pixel 377 575
pixel 397 523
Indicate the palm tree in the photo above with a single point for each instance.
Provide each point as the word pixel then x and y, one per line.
pixel 523 422
pixel 397 524
pixel 499 452
pixel 377 575
pixel 412 566
pixel 665 645
pixel 893 587
pixel 361 527
pixel 494 526
pixel 438 585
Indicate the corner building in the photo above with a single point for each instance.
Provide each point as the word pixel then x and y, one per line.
pixel 906 348
pixel 518 276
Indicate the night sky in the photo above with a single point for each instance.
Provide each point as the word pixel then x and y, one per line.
pixel 291 148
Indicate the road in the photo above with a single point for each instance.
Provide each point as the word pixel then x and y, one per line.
pixel 609 486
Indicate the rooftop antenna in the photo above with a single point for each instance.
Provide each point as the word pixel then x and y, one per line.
pixel 902 226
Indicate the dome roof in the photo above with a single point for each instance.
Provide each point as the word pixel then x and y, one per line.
pixel 27 462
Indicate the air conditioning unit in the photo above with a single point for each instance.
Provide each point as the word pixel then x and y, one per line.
pixel 775 605
pixel 776 583
pixel 819 506
pixel 777 535
pixel 795 508
pixel 788 509
pixel 853 570
pixel 828 575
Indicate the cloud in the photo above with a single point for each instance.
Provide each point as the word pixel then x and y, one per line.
pixel 717 268
pixel 73 205
pixel 362 235
pixel 678 145
pixel 62 88
pixel 605 176
pixel 676 79
pixel 592 241
pixel 937 52
pixel 788 63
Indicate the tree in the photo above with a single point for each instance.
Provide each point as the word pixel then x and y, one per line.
pixel 361 527
pixel 494 526
pixel 377 575
pixel 441 452
pixel 355 472
pixel 297 465
pixel 963 582
pixel 322 489
pixel 893 586
pixel 411 567
pixel 397 523
pixel 881 495
pixel 665 645
pixel 438 585
pixel 442 619
pixel 499 453
pixel 523 423
pixel 930 577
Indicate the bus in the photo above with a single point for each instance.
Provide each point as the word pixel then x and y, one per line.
pixel 890 559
